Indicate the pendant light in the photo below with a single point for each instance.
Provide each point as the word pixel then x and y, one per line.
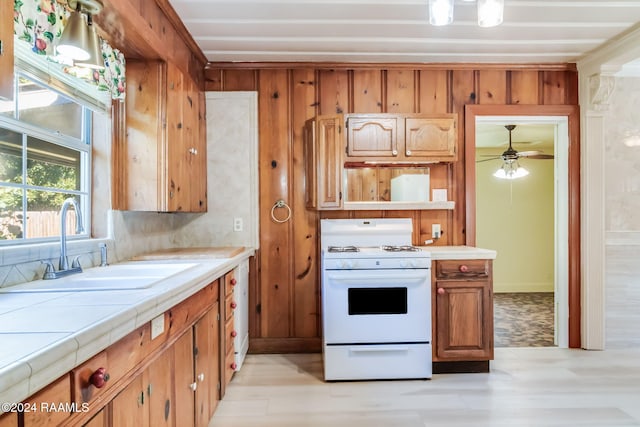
pixel 79 40
pixel 511 170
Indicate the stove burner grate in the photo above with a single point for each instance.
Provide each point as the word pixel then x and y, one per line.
pixel 343 249
pixel 404 248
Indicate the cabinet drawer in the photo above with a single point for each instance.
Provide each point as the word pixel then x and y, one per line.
pixel 58 397
pixel 84 391
pixel 230 305
pixel 460 269
pixel 229 283
pixel 183 314
pixel 229 366
pixel 230 334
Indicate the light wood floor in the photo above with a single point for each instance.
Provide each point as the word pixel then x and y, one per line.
pixel 526 387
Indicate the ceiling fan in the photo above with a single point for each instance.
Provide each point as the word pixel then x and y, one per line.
pixel 510 155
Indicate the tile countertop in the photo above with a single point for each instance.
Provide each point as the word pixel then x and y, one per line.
pixel 43 335
pixel 459 252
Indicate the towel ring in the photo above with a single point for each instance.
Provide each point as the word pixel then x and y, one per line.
pixel 280 204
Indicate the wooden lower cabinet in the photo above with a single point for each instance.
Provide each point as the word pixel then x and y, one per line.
pixel 98 420
pixel 463 311
pixel 9 419
pixel 206 366
pixel 56 395
pixel 184 379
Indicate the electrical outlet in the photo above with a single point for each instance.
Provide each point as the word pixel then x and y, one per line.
pixel 436 232
pixel 157 326
pixel 237 224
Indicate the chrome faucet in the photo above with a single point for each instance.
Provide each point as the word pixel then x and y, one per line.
pixel 63 267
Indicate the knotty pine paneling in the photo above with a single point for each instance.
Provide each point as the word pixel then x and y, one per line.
pixel 433 91
pixel 287 281
pixel 276 239
pixel 306 304
pixel 401 89
pixel 524 87
pixel 492 86
pixel 333 91
pixel 367 91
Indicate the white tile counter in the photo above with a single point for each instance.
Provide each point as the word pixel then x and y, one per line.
pixel 43 335
pixel 459 252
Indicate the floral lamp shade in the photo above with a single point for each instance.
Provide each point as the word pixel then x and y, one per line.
pixel 40 24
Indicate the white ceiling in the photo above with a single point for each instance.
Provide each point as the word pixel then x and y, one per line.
pixel 534 31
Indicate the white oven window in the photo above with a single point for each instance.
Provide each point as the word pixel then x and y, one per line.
pixel 372 301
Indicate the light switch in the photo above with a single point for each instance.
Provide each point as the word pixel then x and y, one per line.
pixel 435 231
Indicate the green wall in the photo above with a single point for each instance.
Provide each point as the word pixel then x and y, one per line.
pixel 516 218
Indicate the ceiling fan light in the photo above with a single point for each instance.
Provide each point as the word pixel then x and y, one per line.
pixel 74 40
pixel 440 12
pixel 490 12
pixel 511 171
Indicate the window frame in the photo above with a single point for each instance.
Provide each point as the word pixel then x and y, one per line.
pixel 83 145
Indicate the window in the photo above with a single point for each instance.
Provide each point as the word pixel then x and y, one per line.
pixel 44 159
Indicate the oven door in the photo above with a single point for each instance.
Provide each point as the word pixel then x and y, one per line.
pixel 376 306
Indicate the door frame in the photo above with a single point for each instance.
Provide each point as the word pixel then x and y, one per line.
pixel 573 203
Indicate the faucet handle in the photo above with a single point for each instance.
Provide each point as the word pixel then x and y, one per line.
pixel 76 262
pixel 49 271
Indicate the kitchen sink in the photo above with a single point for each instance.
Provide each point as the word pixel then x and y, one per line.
pixel 130 276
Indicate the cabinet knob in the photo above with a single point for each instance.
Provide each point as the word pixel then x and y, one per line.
pixel 201 377
pixel 99 378
pixel 440 291
pixel 233 304
pixel 233 281
pixel 464 268
pixel 408 152
pixel 233 366
pixel 394 152
pixel 193 151
pixel 234 333
pixel 193 386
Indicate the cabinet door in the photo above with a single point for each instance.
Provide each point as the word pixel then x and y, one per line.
pixel 177 156
pixel 464 320
pixel 430 139
pixel 57 393
pixel 129 408
pixel 329 146
pixel 6 49
pixel 159 391
pixel 185 383
pixel 207 365
pixel 98 420
pixel 310 165
pixel 372 137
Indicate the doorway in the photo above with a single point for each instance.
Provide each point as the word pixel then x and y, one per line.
pixel 517 217
pixel 566 280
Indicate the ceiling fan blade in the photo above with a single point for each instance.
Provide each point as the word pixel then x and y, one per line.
pixel 486 160
pixel 540 156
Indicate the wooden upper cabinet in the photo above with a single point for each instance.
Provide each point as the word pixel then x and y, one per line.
pixel 324 163
pixel 6 49
pixel 401 138
pixel 433 138
pixel 163 162
pixel 372 136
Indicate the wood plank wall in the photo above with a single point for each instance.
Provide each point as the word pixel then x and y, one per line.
pixel 285 312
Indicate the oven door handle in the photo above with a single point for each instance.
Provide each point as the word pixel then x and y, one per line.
pixel 377 278
pixel 377 349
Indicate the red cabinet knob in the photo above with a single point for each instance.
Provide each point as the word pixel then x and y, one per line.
pixel 234 334
pixel 99 378
pixel 233 304
pixel 233 281
pixel 464 268
pixel 440 291
pixel 233 366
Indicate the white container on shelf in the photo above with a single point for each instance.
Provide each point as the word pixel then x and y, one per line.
pixel 410 188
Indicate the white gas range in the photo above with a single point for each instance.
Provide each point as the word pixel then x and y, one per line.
pixel 376 300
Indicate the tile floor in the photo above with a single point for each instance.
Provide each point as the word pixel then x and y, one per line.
pixel 523 319
pixel 543 386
